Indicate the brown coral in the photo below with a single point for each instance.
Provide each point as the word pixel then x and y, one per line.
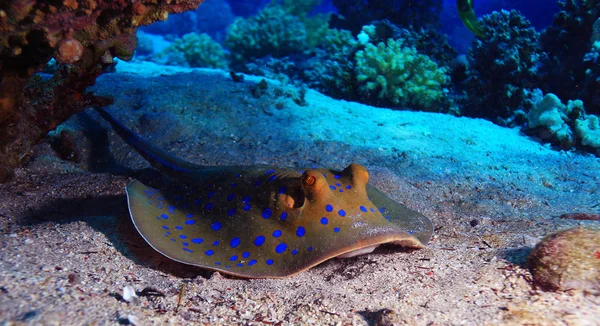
pixel 82 34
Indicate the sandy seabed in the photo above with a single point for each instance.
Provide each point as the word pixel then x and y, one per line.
pixel 68 249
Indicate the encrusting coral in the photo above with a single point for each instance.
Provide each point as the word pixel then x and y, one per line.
pixel 83 36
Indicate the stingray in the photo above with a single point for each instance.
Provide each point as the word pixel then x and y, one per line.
pixel 261 221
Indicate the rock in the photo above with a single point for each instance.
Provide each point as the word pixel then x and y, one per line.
pixel 568 260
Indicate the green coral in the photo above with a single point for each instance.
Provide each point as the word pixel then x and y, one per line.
pixel 272 31
pixel 316 26
pixel 400 75
pixel 195 50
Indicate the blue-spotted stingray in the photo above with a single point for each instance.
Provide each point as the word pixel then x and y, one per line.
pixel 261 221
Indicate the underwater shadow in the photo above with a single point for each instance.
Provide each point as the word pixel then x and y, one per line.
pixel 517 256
pixel 110 216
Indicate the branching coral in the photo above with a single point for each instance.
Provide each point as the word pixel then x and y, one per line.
pixel 567 42
pixel 197 50
pixel 271 32
pixel 400 75
pixel 504 66
pixel 85 35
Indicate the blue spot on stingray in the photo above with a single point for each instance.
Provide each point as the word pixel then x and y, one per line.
pixel 338 184
pixel 190 222
pixel 183 236
pixel 342 212
pixel 281 248
pixel 238 175
pixel 300 232
pixel 336 230
pixel 230 197
pixel 348 187
pixel 337 176
pixel 171 209
pixel 277 233
pixel 269 171
pixel 216 226
pixel 363 208
pixel 329 208
pixel 210 194
pixel 270 261
pixel 227 266
pixel 252 262
pixel 246 254
pixel 188 250
pixel 209 252
pixel 332 187
pixel 282 190
pixel 190 215
pixel 411 231
pixel 273 177
pixel 310 248
pixel 197 240
pixel 257 183
pixel 283 216
pixel 185 244
pixel 197 201
pixel 246 199
pixel 233 258
pixel 247 207
pixel 239 264
pixel 231 212
pixel 165 227
pixel 217 263
pixel 324 220
pixel 216 243
pixel 165 216
pixel 295 252
pixel 173 239
pixel 266 213
pixel 178 228
pixel 325 175
pixel 372 209
pixel 233 184
pixel 259 241
pixel 234 242
pixel 341 190
pixel 209 206
pixel 382 209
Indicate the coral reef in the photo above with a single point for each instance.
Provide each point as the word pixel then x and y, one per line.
pixel 395 73
pixel 567 126
pixel 83 36
pixel 568 40
pixel 504 67
pixel 194 50
pixel 212 18
pixel 568 260
pixel 405 13
pixel 271 32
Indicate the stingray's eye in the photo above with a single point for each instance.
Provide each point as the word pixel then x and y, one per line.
pixel 309 180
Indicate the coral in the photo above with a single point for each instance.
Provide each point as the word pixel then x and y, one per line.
pixel 550 116
pixel 315 25
pixel 212 18
pixel 271 32
pixel 83 35
pixel 567 42
pixel 566 125
pixel 398 74
pixel 405 13
pixel 331 70
pixel 198 50
pixel 568 260
pixel 504 66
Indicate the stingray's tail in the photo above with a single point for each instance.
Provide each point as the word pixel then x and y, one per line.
pixel 159 158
